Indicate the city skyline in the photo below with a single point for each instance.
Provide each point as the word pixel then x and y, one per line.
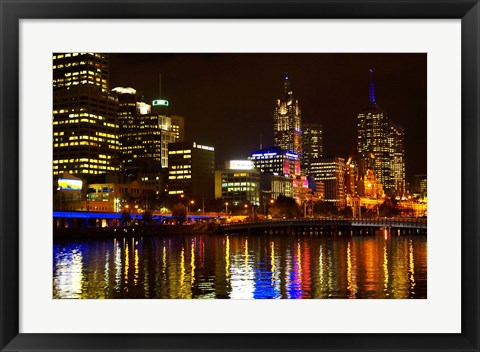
pixel 217 91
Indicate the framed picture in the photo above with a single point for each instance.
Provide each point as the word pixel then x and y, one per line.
pixel 429 52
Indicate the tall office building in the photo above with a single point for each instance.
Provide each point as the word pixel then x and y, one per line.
pixel 85 123
pixel 144 135
pixel 331 171
pixel 397 143
pixel 191 170
pixel 287 121
pixel 373 147
pixel 312 144
pixel 73 69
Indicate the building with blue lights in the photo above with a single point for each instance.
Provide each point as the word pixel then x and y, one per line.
pixel 287 121
pixel 276 160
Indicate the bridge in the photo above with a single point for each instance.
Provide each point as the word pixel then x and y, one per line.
pixel 318 225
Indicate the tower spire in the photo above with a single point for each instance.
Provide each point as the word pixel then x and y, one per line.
pixel 372 87
pixel 287 84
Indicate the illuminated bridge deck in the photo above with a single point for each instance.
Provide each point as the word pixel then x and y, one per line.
pixel 419 225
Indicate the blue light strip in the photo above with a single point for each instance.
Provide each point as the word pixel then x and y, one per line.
pixel 98 215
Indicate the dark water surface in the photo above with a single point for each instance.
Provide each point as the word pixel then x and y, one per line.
pixel 242 267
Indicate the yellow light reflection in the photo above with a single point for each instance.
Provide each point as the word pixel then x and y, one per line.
pixel 192 263
pixel 182 270
pixel 321 266
pixel 299 262
pixel 227 259
pixel 135 278
pixel 164 259
pixel 386 277
pixel 125 275
pixel 411 266
pixel 350 287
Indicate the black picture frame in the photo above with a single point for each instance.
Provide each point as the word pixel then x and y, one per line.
pixel 13 11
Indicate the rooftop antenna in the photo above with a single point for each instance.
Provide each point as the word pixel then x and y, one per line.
pixel 159 85
pixel 372 87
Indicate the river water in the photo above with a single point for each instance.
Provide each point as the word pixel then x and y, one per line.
pixel 262 266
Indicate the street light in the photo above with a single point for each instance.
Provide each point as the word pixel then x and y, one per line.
pixel 188 206
pixel 226 209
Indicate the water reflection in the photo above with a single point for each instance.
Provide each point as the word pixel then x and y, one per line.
pixel 243 267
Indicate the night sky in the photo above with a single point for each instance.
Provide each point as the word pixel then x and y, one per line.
pixel 228 99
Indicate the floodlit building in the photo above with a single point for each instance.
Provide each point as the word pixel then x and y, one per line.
pixel 373 143
pixel 287 121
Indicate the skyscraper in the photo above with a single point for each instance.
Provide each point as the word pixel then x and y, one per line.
pixel 287 121
pixel 85 123
pixel 144 134
pixel 397 143
pixel 373 147
pixel 312 144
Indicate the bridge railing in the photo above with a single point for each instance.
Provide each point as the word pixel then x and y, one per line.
pixel 387 221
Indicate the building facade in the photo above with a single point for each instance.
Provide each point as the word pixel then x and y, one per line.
pixel 287 121
pixel 331 172
pixel 277 161
pixel 191 170
pixel 238 184
pixel 85 124
pixel 397 143
pixel 116 197
pixel 72 69
pixel 178 127
pixel 144 134
pixel 312 144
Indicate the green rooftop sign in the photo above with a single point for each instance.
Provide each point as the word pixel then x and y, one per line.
pixel 160 102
